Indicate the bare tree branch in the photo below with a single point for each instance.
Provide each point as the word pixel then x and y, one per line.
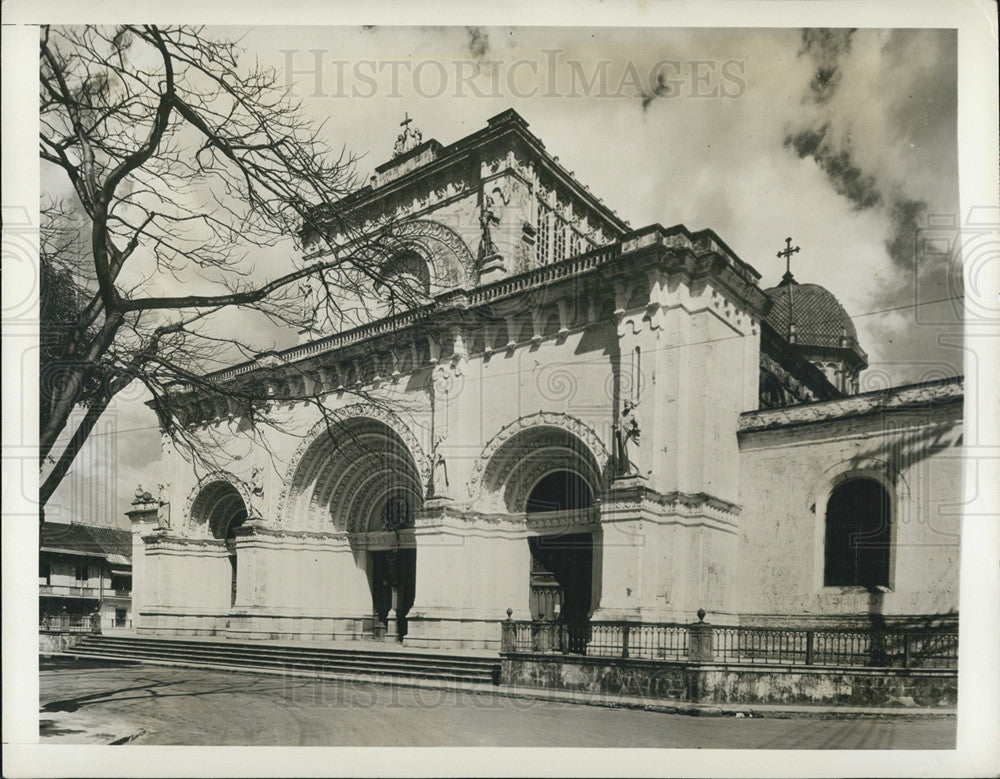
pixel 182 164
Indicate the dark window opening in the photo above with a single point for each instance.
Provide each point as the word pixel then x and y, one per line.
pixel 45 572
pixel 119 582
pixel 232 595
pixel 561 578
pixel 82 573
pixel 858 534
pixel 560 491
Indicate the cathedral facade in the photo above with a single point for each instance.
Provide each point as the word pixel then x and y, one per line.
pixel 585 422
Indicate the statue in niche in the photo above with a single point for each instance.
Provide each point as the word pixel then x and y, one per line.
pixel 257 482
pixel 308 310
pixel 487 218
pixel 439 470
pixel 163 507
pixel 627 440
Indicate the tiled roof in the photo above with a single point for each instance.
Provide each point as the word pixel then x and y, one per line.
pixel 820 320
pixel 91 540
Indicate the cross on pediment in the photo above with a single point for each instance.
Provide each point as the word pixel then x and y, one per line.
pixel 410 138
pixel 787 253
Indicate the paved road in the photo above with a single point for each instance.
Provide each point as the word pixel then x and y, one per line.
pixel 95 702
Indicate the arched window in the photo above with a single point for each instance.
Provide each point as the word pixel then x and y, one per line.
pixel 858 534
pixel 405 278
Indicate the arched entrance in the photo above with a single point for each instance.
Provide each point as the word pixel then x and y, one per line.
pixel 549 475
pixel 219 510
pixel 562 564
pixel 360 479
pixel 393 570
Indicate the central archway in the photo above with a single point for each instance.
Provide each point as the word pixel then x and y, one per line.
pixel 562 564
pixel 359 478
pixel 550 476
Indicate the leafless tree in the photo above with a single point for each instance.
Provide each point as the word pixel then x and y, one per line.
pixel 179 166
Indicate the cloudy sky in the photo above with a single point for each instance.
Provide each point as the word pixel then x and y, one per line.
pixel 844 140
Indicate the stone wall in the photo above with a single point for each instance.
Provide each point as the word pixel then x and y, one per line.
pixel 733 683
pixel 787 474
pixel 50 641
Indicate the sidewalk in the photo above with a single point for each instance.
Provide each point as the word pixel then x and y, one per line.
pixel 761 710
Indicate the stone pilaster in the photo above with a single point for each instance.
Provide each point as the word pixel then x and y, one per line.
pixel 470 570
pixel 662 556
pixel 143 518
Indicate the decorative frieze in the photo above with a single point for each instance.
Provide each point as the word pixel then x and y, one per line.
pixel 311 444
pixel 544 419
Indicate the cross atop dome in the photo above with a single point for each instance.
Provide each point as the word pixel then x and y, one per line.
pixel 787 253
pixel 409 139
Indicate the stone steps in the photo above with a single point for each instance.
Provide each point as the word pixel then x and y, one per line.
pixel 367 663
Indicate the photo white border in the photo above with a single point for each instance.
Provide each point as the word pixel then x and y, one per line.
pixel 978 751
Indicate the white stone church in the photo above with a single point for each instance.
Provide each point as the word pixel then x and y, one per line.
pixel 585 422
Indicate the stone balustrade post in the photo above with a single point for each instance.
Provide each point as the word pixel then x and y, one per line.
pixel 701 640
pixel 508 637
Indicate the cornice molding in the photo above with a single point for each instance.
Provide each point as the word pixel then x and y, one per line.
pixel 913 396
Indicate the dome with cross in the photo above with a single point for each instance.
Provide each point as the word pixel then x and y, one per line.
pixel 810 317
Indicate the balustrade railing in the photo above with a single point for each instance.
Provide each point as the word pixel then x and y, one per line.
pixel 70 623
pixel 700 641
pixel 69 590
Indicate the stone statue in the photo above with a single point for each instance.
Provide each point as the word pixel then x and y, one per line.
pixel 487 218
pixel 439 470
pixel 142 496
pixel 256 482
pixel 627 440
pixel 397 514
pixel 305 289
pixel 163 503
pixel 410 138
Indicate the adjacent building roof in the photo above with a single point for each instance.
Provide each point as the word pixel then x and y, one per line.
pixel 111 543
